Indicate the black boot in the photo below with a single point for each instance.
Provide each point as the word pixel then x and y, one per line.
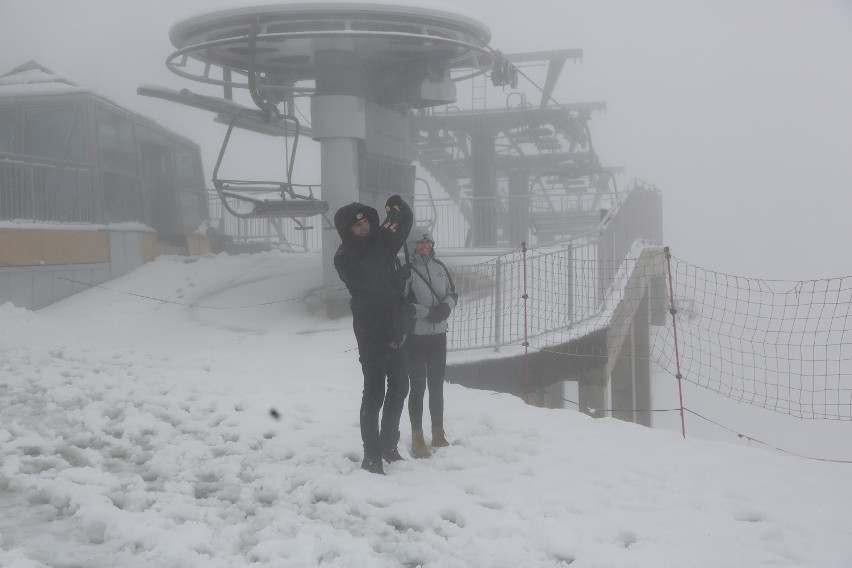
pixel 373 466
pixel 392 455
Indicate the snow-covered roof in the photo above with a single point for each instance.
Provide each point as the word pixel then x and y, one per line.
pixel 31 78
pixel 126 226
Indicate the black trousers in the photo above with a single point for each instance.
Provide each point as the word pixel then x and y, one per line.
pixel 427 360
pixel 380 362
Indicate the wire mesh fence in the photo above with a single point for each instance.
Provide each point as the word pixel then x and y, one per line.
pixel 780 345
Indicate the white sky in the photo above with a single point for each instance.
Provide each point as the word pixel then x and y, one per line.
pixel 738 110
pixel 163 454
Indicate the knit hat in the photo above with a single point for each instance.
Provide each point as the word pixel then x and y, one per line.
pixel 418 234
pixel 350 214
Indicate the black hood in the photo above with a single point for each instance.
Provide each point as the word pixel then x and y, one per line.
pixel 350 214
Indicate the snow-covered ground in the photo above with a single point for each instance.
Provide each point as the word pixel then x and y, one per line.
pixel 135 431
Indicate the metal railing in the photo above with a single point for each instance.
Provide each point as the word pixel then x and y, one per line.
pixel 41 189
pixel 567 281
pixel 502 221
pixel 489 222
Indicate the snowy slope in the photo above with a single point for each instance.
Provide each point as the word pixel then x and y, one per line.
pixel 136 432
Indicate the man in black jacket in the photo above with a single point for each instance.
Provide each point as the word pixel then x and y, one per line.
pixel 367 263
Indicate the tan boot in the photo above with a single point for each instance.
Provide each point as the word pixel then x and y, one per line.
pixel 418 445
pixel 439 440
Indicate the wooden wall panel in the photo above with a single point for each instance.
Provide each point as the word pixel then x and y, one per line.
pixel 39 247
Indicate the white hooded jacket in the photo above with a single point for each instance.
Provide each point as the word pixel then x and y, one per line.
pixel 430 284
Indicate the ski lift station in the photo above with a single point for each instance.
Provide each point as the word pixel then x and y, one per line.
pixel 87 188
pixel 403 99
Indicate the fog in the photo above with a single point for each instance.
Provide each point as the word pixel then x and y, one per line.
pixel 738 111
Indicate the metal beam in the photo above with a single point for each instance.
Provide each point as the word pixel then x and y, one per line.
pixel 555 63
pixel 543 55
pixel 247 118
pixel 502 119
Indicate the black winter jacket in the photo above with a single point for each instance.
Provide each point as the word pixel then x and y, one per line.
pixel 369 268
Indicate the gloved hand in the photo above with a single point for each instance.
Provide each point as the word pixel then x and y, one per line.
pixel 394 201
pixel 393 207
pixel 404 272
pixel 439 313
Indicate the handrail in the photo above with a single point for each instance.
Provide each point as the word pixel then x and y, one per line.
pixel 581 274
pixel 45 189
pixel 10 157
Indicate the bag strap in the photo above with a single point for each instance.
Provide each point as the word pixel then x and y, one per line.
pixel 428 284
pixel 449 276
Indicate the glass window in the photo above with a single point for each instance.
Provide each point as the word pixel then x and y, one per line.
pixel 78 144
pixel 193 209
pixel 122 186
pixel 64 194
pixel 192 194
pixel 188 165
pixel 122 198
pixel 158 182
pixel 12 130
pixel 56 132
pixel 116 144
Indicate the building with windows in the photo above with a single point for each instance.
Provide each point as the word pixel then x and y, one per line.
pixel 87 186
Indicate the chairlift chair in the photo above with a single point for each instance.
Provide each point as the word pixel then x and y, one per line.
pixel 427 220
pixel 568 205
pixel 289 203
pixel 266 120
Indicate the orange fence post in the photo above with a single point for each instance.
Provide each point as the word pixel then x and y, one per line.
pixel 673 311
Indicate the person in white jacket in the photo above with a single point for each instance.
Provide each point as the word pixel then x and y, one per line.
pixel 431 291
